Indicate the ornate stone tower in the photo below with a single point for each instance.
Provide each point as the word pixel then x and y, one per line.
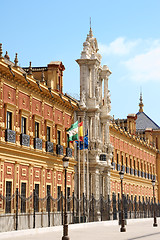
pixel 95 105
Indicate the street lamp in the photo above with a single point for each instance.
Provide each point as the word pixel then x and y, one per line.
pixel 155 219
pixel 122 229
pixel 65 224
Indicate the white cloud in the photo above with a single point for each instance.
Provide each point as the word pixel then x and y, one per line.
pixel 146 66
pixel 118 47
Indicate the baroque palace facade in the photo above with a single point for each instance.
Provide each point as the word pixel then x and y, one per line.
pixel 34 117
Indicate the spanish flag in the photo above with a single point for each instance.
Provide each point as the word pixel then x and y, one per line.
pixel 80 131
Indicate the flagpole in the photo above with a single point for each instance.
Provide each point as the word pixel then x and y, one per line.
pixel 88 171
pixel 83 159
pixel 79 176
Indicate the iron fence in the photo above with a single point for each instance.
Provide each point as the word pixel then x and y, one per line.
pixel 80 210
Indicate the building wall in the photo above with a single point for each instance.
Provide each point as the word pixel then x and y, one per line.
pixel 19 163
pixel 134 153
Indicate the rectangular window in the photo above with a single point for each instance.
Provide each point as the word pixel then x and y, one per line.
pixel 9 120
pixel 23 125
pixel 23 196
pixel 58 137
pixel 68 195
pixel 8 196
pixel 36 130
pixel 68 141
pixel 59 82
pixel 122 160
pixel 58 196
pixel 36 198
pixel 48 134
pixel 48 199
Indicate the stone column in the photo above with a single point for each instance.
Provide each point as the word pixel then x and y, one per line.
pixel 93 81
pixel 95 183
pixel 107 183
pixel 105 90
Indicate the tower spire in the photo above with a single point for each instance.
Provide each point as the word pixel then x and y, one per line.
pixel 141 103
pixel 90 31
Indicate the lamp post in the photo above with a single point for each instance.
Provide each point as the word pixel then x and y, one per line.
pixel 122 229
pixel 154 212
pixel 65 224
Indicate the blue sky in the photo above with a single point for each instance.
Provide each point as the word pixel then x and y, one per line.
pixel 128 36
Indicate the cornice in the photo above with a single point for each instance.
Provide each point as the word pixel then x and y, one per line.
pixel 133 138
pixel 30 83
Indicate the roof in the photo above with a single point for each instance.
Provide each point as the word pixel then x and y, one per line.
pixel 143 122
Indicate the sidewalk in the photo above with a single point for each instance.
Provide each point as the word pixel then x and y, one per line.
pixel 135 229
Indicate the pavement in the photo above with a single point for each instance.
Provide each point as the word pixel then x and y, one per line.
pixel 136 229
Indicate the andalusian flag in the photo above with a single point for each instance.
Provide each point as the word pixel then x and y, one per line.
pixel 73 132
pixel 80 133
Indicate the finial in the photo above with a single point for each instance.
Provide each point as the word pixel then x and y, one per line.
pixel 141 103
pixel 42 76
pixel 1 51
pixel 90 31
pixel 118 123
pixel 30 68
pixel 16 61
pixel 7 56
pixel 113 120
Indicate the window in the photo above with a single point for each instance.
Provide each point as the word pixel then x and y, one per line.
pixel 23 196
pixel 68 141
pixel 36 130
pixel 37 197
pixel 8 196
pixel 58 196
pixel 58 84
pixel 48 199
pixel 126 162
pixel 58 137
pixel 68 195
pixel 9 120
pixel 122 160
pixel 48 134
pixel 23 125
pixel 130 163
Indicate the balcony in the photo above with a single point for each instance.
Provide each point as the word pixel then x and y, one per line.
pixel 123 168
pixel 102 157
pixel 118 167
pixel 135 172
pixel 142 174
pixel 49 147
pixel 38 143
pixel 25 139
pixel 127 169
pixel 139 173
pixel 131 171
pixel 59 149
pixel 10 136
pixel 68 152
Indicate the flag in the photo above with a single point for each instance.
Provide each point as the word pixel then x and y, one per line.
pixel 85 144
pixel 80 133
pixel 73 132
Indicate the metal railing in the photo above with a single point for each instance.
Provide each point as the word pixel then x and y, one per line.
pixel 80 210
